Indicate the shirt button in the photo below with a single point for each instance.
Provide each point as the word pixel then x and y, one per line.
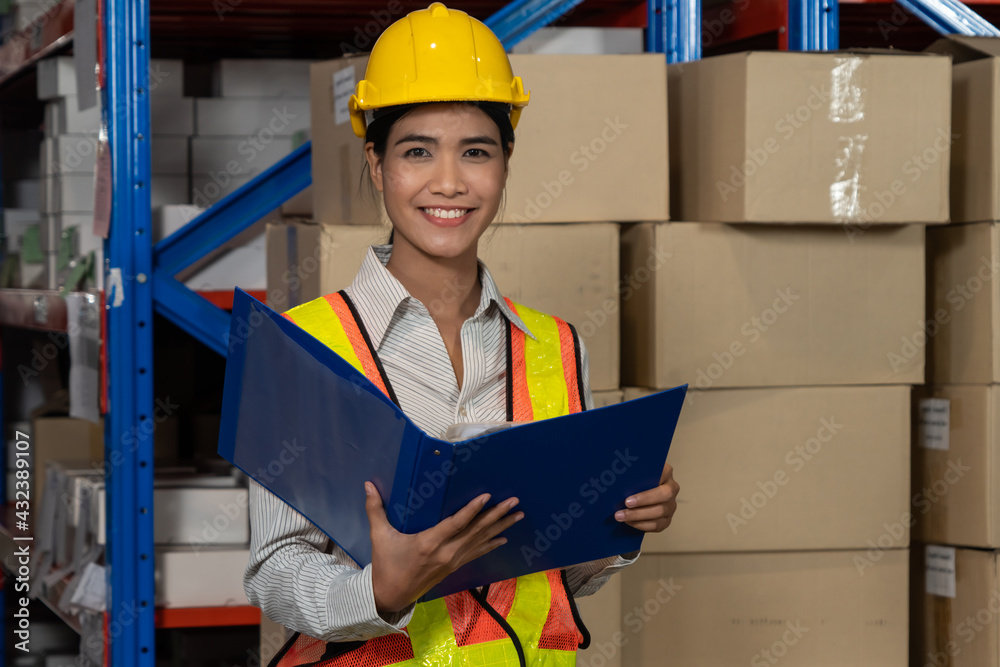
pixel 462 411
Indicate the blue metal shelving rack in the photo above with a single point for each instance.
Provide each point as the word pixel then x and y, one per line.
pixel 140 277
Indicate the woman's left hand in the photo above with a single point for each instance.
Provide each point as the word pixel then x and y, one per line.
pixel 651 511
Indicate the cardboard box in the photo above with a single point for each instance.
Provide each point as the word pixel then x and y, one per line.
pixel 565 270
pixel 757 306
pixel 206 189
pixel 55 438
pixel 265 117
pixel 853 138
pixel 566 166
pixel 244 266
pixel 604 398
pixel 169 219
pixel 198 516
pixel 77 154
pixel 957 603
pixel 602 615
pixel 786 608
pixel 956 465
pixel 239 156
pixel 758 469
pixel 582 40
pixel 260 77
pixel 975 112
pixel 63 116
pixel 963 321
pixel 74 193
pixel 199 576
pixel 57 77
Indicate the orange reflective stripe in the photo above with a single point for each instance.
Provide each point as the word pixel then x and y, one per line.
pixel 560 631
pixel 523 412
pixel 471 623
pixel 370 368
pixel 567 347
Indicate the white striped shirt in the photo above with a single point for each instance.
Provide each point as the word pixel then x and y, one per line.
pixel 300 578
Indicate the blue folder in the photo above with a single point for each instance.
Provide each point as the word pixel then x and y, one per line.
pixel 310 428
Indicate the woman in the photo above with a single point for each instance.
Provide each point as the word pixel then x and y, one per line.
pixel 424 320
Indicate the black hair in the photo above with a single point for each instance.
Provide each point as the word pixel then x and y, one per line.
pixel 383 119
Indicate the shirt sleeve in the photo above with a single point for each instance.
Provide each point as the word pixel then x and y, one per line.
pixel 296 583
pixel 588 578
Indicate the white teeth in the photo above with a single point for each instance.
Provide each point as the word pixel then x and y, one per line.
pixel 446 214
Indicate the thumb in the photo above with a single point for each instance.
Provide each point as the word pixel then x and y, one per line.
pixel 374 508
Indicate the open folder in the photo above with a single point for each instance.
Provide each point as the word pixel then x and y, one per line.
pixel 307 426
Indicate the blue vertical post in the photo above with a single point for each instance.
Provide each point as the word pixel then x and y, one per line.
pixel 674 29
pixel 129 298
pixel 813 25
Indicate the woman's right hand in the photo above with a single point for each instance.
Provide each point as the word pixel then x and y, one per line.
pixel 404 567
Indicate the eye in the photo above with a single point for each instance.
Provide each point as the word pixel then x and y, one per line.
pixel 416 152
pixel 477 152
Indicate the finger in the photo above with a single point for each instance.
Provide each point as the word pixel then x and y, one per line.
pixel 377 519
pixel 655 496
pixel 482 550
pixel 488 518
pixel 654 526
pixel 651 512
pixel 458 521
pixel 498 527
pixel 668 473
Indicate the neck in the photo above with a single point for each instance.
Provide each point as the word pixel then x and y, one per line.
pixel 448 286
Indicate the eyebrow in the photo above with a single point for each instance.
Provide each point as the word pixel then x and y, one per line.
pixel 422 138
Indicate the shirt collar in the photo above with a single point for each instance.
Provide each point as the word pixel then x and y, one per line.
pixel 379 288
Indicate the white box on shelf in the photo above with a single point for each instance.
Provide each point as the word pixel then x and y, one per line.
pixel 261 78
pixel 168 219
pixel 260 117
pixel 582 40
pixel 200 576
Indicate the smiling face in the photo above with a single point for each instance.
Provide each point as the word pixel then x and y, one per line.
pixel 442 178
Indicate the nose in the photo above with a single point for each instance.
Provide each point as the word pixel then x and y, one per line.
pixel 447 178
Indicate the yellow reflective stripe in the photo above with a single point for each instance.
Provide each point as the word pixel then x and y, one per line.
pixel 530 610
pixel 543 364
pixel 497 653
pixel 431 634
pixel 552 657
pixel 318 319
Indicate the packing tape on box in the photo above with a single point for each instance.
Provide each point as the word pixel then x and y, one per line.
pixel 848 94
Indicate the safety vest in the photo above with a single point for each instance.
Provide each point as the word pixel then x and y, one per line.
pixel 531 620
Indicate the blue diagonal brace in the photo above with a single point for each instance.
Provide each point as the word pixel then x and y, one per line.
pixel 950 17
pixel 674 29
pixel 227 218
pixel 520 18
pixel 192 312
pixel 813 25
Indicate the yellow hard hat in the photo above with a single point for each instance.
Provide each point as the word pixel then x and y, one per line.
pixel 436 55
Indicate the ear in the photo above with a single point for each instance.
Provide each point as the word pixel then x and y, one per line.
pixel 374 165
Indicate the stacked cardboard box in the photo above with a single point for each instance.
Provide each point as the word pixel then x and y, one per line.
pixel 794 325
pixel 69 153
pixel 248 124
pixel 956 453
